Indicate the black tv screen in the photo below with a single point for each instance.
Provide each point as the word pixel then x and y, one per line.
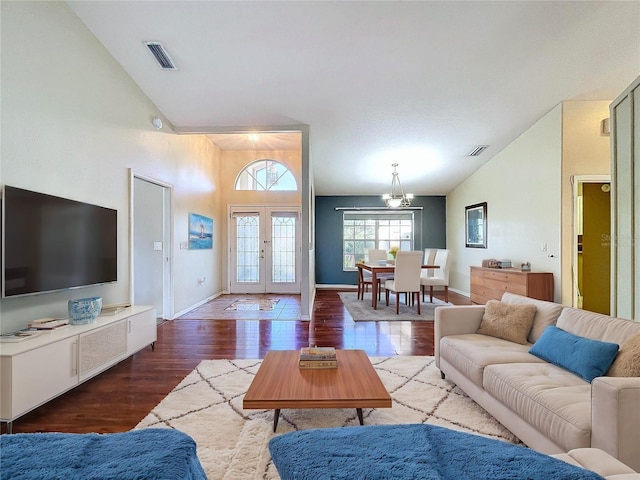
pixel 52 243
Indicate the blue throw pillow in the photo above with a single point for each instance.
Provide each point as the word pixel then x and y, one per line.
pixel 585 357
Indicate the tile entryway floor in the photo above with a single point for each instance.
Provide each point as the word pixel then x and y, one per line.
pixel 248 307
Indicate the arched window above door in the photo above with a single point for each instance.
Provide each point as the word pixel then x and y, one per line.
pixel 266 175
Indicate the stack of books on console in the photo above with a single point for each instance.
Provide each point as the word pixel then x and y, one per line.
pixel 49 323
pixel 18 336
pixel 318 357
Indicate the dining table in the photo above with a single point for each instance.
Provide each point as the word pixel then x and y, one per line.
pixel 377 269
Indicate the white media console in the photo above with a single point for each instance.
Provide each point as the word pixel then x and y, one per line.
pixel 36 370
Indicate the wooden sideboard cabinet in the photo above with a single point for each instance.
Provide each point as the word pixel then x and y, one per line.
pixel 491 283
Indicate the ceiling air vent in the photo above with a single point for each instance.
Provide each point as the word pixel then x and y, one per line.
pixel 477 150
pixel 161 55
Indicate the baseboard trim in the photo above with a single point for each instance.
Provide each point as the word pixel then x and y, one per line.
pixel 460 292
pixel 193 307
pixel 325 286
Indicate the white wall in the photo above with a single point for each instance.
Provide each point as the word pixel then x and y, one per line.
pixel 522 188
pixel 73 123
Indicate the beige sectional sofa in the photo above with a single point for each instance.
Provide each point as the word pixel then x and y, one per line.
pixel 549 408
pixel 599 462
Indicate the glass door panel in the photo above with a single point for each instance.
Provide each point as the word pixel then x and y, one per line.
pixel 265 250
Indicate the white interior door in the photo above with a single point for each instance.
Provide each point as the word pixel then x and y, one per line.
pixel 265 250
pixel 151 237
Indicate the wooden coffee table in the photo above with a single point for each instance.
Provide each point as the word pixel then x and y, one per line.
pixel 279 384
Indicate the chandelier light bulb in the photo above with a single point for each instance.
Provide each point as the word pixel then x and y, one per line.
pixel 396 197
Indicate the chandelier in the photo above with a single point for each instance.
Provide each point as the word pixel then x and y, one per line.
pixel 396 197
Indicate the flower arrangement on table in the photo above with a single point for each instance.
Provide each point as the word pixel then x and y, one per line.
pixel 394 251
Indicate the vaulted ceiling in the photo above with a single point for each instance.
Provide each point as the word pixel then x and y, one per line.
pixel 418 83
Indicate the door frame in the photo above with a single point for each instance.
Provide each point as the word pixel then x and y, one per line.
pixel 167 208
pixel 267 208
pixel 577 180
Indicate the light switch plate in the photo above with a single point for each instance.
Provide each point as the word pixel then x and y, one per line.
pixel 157 246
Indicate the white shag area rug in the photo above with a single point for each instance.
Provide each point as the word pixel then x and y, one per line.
pixel 232 442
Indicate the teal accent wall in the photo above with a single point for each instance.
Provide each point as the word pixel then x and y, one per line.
pixel 430 228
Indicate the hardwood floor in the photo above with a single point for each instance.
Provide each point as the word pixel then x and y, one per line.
pixel 116 400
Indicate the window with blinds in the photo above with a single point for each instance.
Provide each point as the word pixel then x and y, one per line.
pixel 363 230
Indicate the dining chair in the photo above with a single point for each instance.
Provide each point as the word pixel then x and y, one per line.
pixel 437 277
pixel 406 277
pixel 377 255
pixel 429 259
pixel 364 277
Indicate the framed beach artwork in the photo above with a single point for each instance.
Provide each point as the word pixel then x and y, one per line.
pixel 475 225
pixel 200 232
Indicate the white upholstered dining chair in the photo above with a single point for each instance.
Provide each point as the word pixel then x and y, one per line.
pixel 406 278
pixel 437 277
pixel 429 256
pixel 429 259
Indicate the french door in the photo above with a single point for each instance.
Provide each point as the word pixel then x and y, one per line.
pixel 264 249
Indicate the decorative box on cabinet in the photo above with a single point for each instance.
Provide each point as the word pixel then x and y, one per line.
pixel 36 370
pixel 491 283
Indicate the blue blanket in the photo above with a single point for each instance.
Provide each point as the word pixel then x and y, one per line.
pixel 425 452
pixel 159 454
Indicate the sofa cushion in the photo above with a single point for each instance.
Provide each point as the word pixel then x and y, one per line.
pixel 585 357
pixel 627 362
pixel 597 326
pixel 553 400
pixel 509 322
pixel 471 352
pixel 547 313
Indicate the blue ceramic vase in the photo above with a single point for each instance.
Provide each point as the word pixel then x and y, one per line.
pixel 84 310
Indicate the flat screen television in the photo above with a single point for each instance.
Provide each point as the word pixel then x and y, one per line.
pixel 51 243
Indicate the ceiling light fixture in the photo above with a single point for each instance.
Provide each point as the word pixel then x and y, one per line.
pixel 396 197
pixel 253 138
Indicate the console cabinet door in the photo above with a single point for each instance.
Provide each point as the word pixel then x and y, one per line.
pixel 38 375
pixel 142 331
pixel 101 348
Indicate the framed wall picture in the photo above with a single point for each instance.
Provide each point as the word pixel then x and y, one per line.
pixel 200 232
pixel 475 221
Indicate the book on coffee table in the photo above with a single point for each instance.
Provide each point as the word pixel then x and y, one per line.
pixel 318 353
pixel 318 357
pixel 318 364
